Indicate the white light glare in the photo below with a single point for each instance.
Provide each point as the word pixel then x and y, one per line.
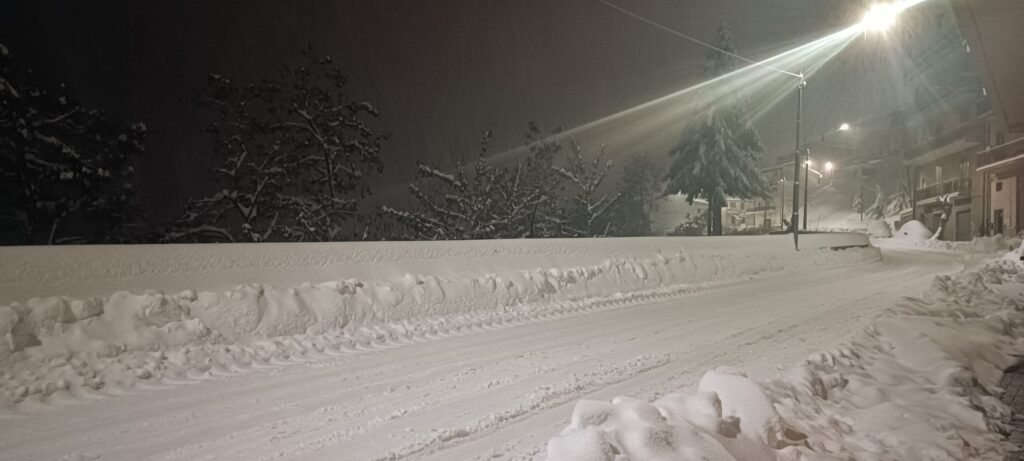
pixel 844 127
pixel 881 17
pixel 829 166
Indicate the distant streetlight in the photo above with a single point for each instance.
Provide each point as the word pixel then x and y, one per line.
pixel 844 127
pixel 828 168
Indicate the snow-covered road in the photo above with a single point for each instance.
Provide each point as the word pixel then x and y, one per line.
pixel 487 394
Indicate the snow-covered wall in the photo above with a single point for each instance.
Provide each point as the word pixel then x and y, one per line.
pixel 98 316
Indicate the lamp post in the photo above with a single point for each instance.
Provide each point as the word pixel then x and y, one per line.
pixel 796 162
pixel 782 200
pixel 879 18
pixel 807 167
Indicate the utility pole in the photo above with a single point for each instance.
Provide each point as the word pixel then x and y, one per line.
pixel 807 166
pixel 782 200
pixel 796 162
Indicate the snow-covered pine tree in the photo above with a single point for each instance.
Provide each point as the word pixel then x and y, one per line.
pixel 858 203
pixel 586 210
pixel 67 174
pixel 295 154
pixel 877 209
pixel 899 200
pixel 716 157
pixel 638 189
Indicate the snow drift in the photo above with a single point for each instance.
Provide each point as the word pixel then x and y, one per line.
pixel 914 230
pixel 980 245
pixel 920 383
pixel 60 345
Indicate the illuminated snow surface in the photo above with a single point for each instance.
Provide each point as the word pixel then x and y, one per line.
pixel 639 349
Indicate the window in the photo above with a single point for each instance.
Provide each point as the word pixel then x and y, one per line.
pixel 1000 138
pixel 965 169
pixel 999 188
pixel 938 174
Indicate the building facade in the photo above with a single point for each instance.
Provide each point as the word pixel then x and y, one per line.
pixel 994 31
pixel 944 125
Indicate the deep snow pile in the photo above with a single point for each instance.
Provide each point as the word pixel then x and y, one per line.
pixel 62 345
pixel 913 230
pixel 920 383
pixel 879 229
pixel 984 245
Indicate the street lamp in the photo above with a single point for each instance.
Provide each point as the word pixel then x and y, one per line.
pixel 879 18
pixel 807 168
pixel 782 200
pixel 828 168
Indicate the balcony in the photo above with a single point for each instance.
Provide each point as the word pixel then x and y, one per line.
pixel 958 187
pixel 964 136
pixel 1007 156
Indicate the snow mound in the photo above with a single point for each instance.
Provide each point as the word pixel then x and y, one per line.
pixel 980 245
pixel 879 229
pixel 920 383
pixel 914 230
pixel 64 345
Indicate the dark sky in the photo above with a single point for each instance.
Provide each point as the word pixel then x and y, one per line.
pixel 440 71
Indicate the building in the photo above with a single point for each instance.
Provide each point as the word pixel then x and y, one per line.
pixel 944 125
pixel 994 32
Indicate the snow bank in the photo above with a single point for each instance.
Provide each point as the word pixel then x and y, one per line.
pixel 914 230
pixel 67 344
pixel 982 245
pixel 920 383
pixel 879 229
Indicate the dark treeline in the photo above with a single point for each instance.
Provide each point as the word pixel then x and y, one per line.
pixel 294 156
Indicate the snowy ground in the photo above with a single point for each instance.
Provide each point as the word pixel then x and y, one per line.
pixel 482 387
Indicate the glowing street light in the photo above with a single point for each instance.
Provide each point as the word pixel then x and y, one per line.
pixel 828 167
pixel 880 17
pixel 844 127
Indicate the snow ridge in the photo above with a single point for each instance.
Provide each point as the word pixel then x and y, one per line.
pixel 60 347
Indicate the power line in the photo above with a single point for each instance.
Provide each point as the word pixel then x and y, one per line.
pixel 692 39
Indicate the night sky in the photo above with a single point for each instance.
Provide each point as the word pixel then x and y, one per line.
pixel 441 71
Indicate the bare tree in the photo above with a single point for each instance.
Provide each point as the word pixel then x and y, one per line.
pixel 295 154
pixel 66 173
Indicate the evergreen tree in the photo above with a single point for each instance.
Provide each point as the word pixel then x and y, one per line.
pixel 877 209
pixel 899 200
pixel 858 202
pixel 66 173
pixel 716 157
pixel 638 189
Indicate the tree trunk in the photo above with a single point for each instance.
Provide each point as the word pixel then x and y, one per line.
pixel 708 220
pixel 718 219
